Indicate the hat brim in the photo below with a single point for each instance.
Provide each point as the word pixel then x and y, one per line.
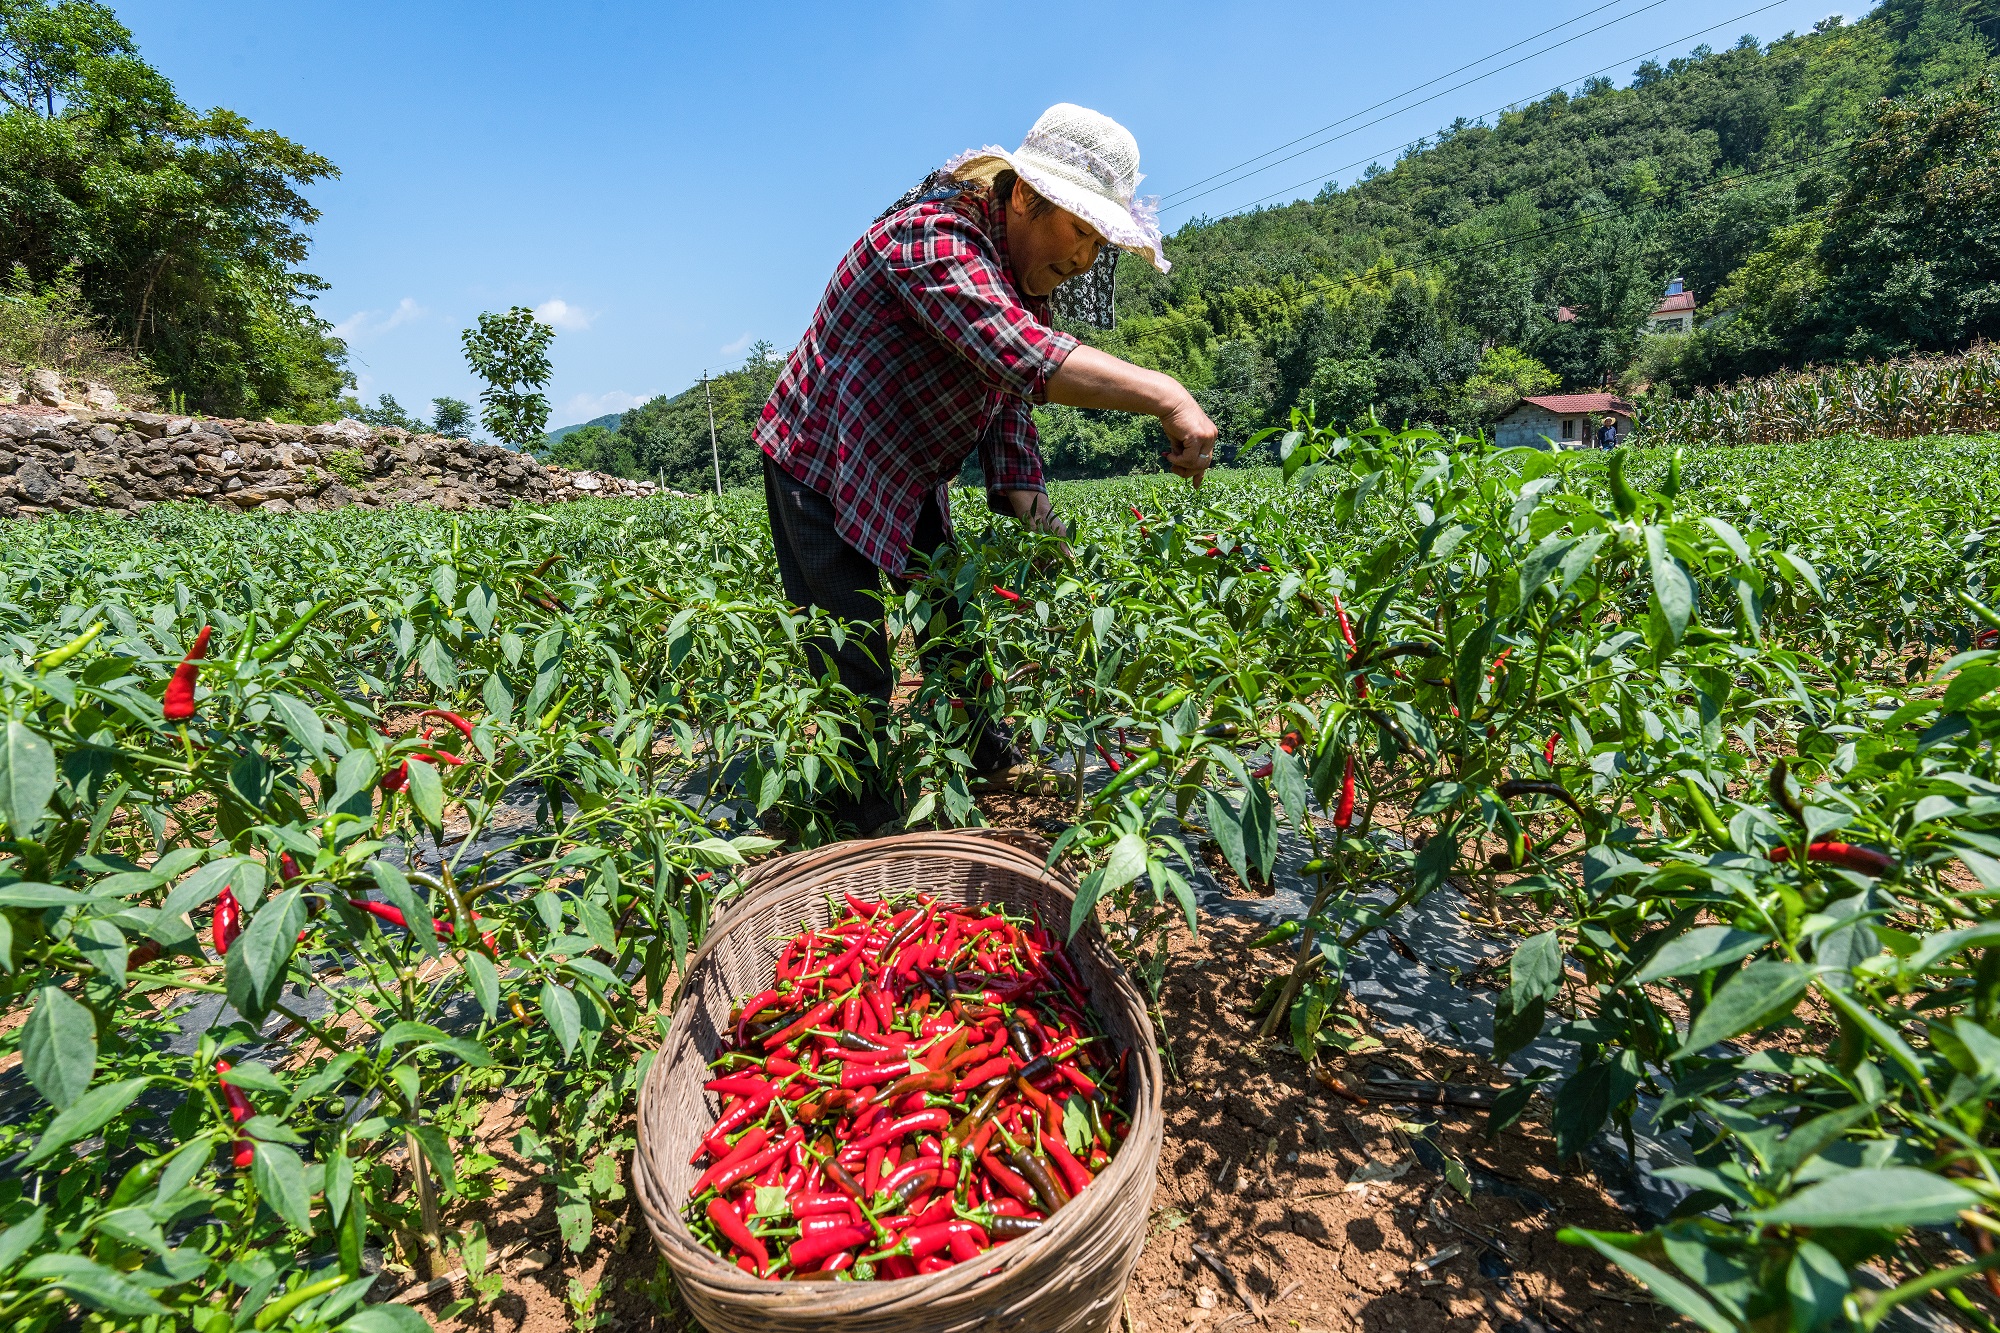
pixel 1132 228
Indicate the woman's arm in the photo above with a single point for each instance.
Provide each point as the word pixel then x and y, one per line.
pixel 1090 378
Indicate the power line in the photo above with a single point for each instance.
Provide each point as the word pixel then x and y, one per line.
pixel 1533 233
pixel 1442 92
pixel 1405 93
pixel 1373 157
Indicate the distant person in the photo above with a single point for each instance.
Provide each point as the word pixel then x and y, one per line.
pixel 932 340
pixel 1607 433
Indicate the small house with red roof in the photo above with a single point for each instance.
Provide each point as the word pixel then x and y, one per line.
pixel 1562 420
pixel 1675 312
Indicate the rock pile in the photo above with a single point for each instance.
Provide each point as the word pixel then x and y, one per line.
pixel 67 455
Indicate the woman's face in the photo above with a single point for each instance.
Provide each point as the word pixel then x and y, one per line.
pixel 1047 251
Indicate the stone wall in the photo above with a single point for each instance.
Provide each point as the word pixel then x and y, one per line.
pixel 75 456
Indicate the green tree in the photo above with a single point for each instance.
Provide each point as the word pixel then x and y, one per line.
pixel 511 353
pixel 186 228
pixel 451 417
pixel 1505 376
pixel 388 412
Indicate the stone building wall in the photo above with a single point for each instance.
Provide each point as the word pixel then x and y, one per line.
pixel 78 456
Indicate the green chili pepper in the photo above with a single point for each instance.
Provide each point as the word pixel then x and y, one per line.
pixel 51 660
pixel 1277 934
pixel 1143 763
pixel 1978 608
pixel 1623 498
pixel 284 1305
pixel 1711 822
pixel 1517 837
pixel 290 634
pixel 1673 486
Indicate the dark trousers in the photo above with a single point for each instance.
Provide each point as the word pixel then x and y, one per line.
pixel 819 569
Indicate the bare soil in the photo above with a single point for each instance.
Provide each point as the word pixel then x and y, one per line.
pixel 1310 1211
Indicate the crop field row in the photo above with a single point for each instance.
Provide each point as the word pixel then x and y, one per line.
pixel 1727 714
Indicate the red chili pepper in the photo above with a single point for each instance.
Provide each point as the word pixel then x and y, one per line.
pixel 731 1226
pixel 239 1110
pixel 869 1075
pixel 1549 750
pixel 464 727
pixel 922 1120
pixel 1006 593
pixel 1343 812
pixel 752 1143
pixel 1847 855
pixel 812 1018
pixel 227 924
pixel 1346 630
pixel 1075 1174
pixel 811 1249
pixel 1136 514
pixel 725 1176
pixel 178 704
pixel 1110 763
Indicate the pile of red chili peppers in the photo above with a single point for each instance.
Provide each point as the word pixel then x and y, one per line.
pixel 919 1084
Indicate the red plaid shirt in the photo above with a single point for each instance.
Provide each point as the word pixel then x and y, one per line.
pixel 921 350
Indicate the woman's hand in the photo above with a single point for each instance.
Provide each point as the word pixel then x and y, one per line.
pixel 1193 439
pixel 1090 378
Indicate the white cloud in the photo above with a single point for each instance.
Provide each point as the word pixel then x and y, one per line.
pixel 738 347
pixel 562 315
pixel 368 323
pixel 590 406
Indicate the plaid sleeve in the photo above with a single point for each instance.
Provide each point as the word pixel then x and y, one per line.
pixel 1010 454
pixel 950 280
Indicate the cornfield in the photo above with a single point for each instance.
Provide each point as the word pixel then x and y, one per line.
pixel 1893 400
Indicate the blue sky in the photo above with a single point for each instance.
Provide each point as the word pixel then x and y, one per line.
pixel 667 182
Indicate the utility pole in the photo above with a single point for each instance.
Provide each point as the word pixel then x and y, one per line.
pixel 713 452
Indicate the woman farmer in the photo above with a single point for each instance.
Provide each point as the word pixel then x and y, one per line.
pixel 933 340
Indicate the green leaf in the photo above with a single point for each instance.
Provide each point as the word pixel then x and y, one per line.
pixel 1888 1196
pixel 254 1076
pixel 559 1004
pixel 94 1285
pixel 1126 862
pixel 1757 995
pixel 1088 890
pixel 280 1178
pixel 191 893
pixel 1227 828
pixel 27 778
pixel 1288 781
pixel 254 969
pixel 596 923
pixel 1534 976
pixel 385 1319
pixel 396 887
pixel 427 792
pixel 1699 950
pixel 25 894
pixel 301 722
pixel 484 979
pixel 17 1239
pixel 772 1201
pixel 85 1116
pixel 59 1047
pixel 1673 1293
pixel 1673 590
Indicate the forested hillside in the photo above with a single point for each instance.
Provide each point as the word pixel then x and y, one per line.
pixel 1813 219
pixel 147 241
pixel 1829 196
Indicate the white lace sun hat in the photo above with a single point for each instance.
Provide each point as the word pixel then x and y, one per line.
pixel 1084 163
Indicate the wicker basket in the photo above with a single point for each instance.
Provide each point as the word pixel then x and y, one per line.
pixel 1068 1276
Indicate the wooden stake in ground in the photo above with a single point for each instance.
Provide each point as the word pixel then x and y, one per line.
pixel 427 1205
